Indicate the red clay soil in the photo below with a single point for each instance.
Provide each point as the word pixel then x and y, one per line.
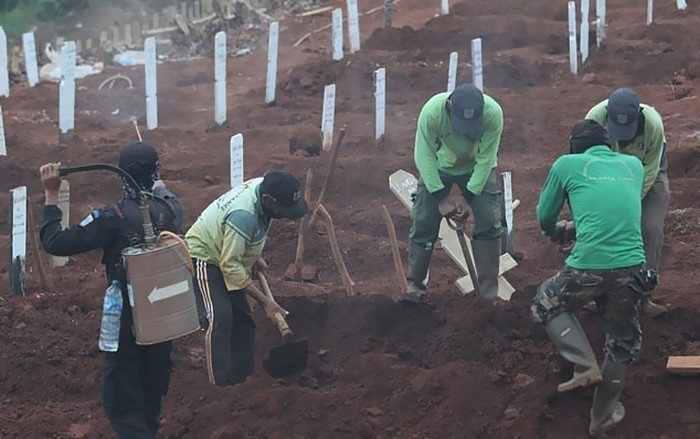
pixel 377 370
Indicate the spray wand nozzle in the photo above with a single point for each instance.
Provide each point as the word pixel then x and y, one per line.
pixel 149 234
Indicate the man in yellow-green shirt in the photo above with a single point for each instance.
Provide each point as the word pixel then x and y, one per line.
pixel 457 140
pixel 226 244
pixel 637 129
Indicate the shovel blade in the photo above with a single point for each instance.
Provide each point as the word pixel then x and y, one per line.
pixel 287 359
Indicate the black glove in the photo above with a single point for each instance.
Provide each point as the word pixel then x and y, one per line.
pixel 564 232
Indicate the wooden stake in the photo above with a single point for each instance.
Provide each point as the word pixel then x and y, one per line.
pixel 398 265
pixel 35 246
pixel 299 257
pixel 347 282
pixel 331 169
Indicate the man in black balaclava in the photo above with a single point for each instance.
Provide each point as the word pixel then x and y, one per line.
pixel 134 377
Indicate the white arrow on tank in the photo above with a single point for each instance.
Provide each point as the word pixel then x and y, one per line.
pixel 168 292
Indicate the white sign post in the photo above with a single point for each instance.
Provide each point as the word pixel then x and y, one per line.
pixel 600 22
pixel 452 72
pixel 379 103
pixel 30 64
pixel 236 146
pixel 3 146
pixel 681 4
pixel 353 26
pixel 4 73
pixel 66 90
pixel 19 239
pixel 151 84
pixel 573 55
pixel 220 78
pixel 650 11
pixel 272 46
pixel 64 205
pixel 337 34
pixel 477 64
pixel 506 179
pixel 328 116
pixel 585 10
pixel 445 7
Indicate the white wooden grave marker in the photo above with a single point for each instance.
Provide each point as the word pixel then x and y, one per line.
pixel 681 4
pixel 19 238
pixel 272 46
pixel 337 34
pixel 379 103
pixel 585 10
pixel 452 72
pixel 650 12
pixel 4 73
pixel 600 22
pixel 477 64
pixel 30 64
pixel 506 178
pixel 64 205
pixel 402 184
pixel 328 117
pixel 236 146
pixel 445 7
pixel 3 146
pixel 573 56
pixel 66 91
pixel 353 26
pixel 151 84
pixel 220 78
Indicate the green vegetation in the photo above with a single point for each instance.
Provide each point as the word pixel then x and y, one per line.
pixel 17 16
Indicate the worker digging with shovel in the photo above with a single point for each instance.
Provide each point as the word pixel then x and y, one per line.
pixel 457 141
pixel 607 265
pixel 226 243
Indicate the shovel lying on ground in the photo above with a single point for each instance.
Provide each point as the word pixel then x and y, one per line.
pixel 292 356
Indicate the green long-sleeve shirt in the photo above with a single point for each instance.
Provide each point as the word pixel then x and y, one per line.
pixel 439 149
pixel 647 147
pixel 231 233
pixel 603 190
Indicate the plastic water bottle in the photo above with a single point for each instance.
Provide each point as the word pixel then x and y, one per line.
pixel 111 318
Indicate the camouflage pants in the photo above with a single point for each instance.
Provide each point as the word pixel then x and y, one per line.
pixel 617 304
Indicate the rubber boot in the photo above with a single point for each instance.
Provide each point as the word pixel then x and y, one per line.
pixel 653 309
pixel 572 344
pixel 418 264
pixel 607 410
pixel 487 254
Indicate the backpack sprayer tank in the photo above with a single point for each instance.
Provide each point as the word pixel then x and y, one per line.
pixel 159 276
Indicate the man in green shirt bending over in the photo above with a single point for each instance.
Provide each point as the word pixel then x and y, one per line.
pixel 638 130
pixel 607 265
pixel 457 143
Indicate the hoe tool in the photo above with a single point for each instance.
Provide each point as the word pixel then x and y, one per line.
pixel 458 226
pixel 292 356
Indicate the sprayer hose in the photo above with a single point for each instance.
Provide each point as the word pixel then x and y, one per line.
pixel 184 246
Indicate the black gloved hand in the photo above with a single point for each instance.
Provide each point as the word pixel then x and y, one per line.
pixel 564 233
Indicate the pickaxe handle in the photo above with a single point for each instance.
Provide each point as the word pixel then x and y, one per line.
pixel 458 226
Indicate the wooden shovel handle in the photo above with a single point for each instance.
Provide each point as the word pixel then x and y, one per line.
pixel 279 319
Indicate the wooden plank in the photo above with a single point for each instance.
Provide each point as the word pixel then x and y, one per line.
pixel 684 365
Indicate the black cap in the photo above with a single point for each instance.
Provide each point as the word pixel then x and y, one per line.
pixel 467 111
pixel 139 159
pixel 587 133
pixel 285 190
pixel 623 114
